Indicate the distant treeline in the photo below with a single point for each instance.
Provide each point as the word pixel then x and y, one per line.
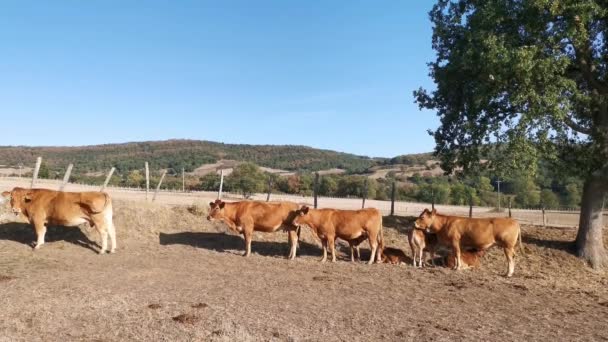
pixel 178 154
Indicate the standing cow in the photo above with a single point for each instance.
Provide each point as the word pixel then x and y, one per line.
pixel 478 233
pixel 245 217
pixel 42 207
pixel 348 225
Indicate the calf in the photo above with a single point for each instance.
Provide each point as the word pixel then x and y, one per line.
pixel 421 243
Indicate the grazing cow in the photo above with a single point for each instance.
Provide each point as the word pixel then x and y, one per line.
pixel 477 233
pixel 421 243
pixel 349 225
pixel 245 217
pixel 42 207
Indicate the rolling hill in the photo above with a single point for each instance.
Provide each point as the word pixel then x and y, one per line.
pixel 187 154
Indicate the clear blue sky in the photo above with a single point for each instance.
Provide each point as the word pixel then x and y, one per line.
pixel 329 74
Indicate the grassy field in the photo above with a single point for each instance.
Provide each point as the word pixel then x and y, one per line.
pixel 176 277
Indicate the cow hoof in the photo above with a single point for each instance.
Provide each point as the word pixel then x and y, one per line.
pixel 113 251
pixel 102 252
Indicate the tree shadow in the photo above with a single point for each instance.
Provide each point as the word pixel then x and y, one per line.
pixel 566 246
pixel 222 242
pixel 24 233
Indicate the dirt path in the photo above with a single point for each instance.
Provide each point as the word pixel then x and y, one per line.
pixel 177 278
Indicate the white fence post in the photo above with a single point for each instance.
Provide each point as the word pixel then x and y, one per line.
pixel 36 170
pixel 105 184
pixel 66 177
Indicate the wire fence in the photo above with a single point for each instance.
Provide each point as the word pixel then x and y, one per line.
pixel 564 217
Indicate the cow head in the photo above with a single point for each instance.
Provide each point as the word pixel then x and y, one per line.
pixel 300 216
pixel 425 220
pixel 216 210
pixel 19 198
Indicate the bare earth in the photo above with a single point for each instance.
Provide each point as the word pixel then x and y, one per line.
pixel 177 277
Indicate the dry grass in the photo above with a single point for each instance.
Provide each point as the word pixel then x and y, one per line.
pixel 177 277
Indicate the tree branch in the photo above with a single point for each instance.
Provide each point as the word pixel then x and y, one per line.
pixel 576 126
pixel 583 60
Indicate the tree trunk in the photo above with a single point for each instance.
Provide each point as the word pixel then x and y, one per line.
pixel 589 240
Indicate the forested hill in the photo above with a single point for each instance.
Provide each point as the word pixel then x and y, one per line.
pixel 188 154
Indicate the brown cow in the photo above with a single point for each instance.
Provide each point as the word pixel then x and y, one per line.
pixel 470 259
pixel 245 217
pixel 477 233
pixel 348 225
pixel 421 243
pixel 42 207
pixel 393 256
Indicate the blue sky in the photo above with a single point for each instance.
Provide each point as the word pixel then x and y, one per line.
pixel 329 74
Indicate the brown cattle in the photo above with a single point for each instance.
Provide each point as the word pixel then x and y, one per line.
pixel 393 256
pixel 477 233
pixel 348 225
pixel 421 243
pixel 42 207
pixel 245 217
pixel 470 259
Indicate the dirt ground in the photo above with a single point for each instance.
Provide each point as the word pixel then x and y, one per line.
pixel 176 277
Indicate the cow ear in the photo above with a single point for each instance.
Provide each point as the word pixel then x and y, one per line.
pixel 222 204
pixel 305 210
pixel 434 211
pixel 28 197
pixel 211 204
pixel 6 194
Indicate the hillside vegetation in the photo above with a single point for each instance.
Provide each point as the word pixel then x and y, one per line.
pixel 178 154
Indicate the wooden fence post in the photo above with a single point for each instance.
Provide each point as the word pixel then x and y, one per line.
pixel 269 188
pixel 66 177
pixel 509 206
pixel 219 193
pixel 315 189
pixel 544 216
pixel 147 180
pixel 470 206
pixel 36 170
pixel 183 181
pixel 108 177
pixel 364 193
pixel 158 186
pixel 393 199
pixel 433 200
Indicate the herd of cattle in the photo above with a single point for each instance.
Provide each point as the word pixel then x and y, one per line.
pixel 466 238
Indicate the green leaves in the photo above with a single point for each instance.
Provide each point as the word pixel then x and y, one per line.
pixel 519 80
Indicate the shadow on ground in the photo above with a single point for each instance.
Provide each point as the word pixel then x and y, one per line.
pixel 25 234
pixel 221 242
pixel 566 246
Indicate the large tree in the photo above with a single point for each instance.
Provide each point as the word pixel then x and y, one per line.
pixel 526 78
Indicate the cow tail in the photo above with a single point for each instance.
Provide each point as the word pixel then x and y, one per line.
pixel 381 236
pixel 521 245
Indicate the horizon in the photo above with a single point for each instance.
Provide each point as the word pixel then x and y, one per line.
pixel 336 76
pixel 199 140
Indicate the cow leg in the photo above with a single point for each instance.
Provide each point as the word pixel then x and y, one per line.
pixel 352 251
pixel 40 228
pixel 324 243
pixel 373 243
pixel 509 253
pixel 421 257
pixel 293 244
pixel 358 256
pixel 332 248
pixel 247 234
pixel 112 232
pixel 103 233
pixel 457 254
